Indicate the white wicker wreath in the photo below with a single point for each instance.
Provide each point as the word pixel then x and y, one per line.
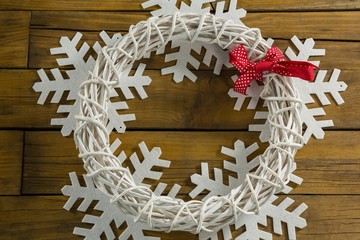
pixel 161 212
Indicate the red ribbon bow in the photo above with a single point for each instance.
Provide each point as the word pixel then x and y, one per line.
pixel 274 61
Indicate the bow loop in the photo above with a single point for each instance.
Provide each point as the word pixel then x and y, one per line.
pixel 274 54
pixel 274 61
pixel 238 57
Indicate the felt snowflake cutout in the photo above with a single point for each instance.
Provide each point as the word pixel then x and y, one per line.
pixel 55 82
pixel 307 90
pixel 184 56
pixel 241 166
pixel 278 214
pixel 100 224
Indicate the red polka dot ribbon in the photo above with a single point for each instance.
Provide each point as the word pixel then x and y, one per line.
pixel 274 61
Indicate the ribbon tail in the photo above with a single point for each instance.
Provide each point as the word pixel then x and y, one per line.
pixel 243 82
pixel 299 69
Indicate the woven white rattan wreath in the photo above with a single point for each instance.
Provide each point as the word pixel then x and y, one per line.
pixel 161 212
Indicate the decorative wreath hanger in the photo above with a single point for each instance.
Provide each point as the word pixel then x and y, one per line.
pixel 161 212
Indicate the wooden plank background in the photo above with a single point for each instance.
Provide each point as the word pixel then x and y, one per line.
pixel 189 121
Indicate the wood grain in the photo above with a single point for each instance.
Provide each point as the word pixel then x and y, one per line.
pixel 73 5
pixel 36 217
pixel 204 105
pixel 14 37
pixel 11 154
pixel 330 166
pixel 42 217
pixel 113 5
pixel 294 5
pixel 18 106
pixel 317 25
pixel 188 121
pixel 80 20
pixel 338 25
pixel 42 40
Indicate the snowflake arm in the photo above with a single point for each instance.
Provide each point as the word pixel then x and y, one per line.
pixel 74 57
pixel 138 81
pixel 279 214
pixel 68 123
pixel 59 85
pixel 232 13
pixel 160 188
pixel 226 232
pixel 114 146
pixel 109 41
pixel 251 223
pixel 241 166
pixel 151 159
pixel 116 120
pixel 74 195
pixel 203 182
pixel 165 6
pixel 320 88
pixel 195 6
pixel 264 128
pixel 253 92
pixel 183 57
pixel 314 127
pixel 306 50
pixel 221 57
pixel 294 179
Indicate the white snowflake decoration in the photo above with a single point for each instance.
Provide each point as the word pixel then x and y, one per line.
pixel 76 76
pixel 277 213
pixel 110 212
pixel 306 89
pixel 216 186
pixel 241 167
pixel 184 56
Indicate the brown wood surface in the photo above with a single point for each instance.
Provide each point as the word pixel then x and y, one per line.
pixel 190 122
pixel 301 23
pixel 14 37
pixel 11 155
